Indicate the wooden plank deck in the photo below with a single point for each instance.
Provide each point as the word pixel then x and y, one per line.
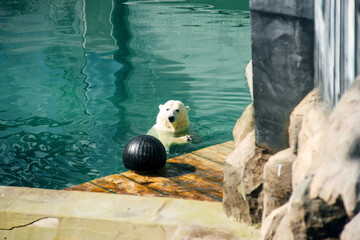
pixel 197 175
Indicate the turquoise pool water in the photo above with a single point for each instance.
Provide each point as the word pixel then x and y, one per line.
pixel 79 79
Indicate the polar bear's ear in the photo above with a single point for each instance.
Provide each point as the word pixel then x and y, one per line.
pixel 161 106
pixel 187 108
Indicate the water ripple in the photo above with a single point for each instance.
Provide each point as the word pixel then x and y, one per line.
pixel 34 121
pixel 78 82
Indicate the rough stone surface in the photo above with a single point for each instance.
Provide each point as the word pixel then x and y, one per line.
pixel 271 223
pixel 292 225
pixel 284 229
pixel 352 229
pixel 297 8
pixel 306 160
pixel 296 211
pixel 296 117
pixel 324 221
pixel 326 171
pixel 338 174
pixel 307 125
pixel 242 198
pixel 244 124
pixel 314 122
pixel 282 60
pixel 312 218
pixel 277 180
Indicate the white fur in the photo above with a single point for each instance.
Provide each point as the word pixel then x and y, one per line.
pixel 171 132
pixel 170 108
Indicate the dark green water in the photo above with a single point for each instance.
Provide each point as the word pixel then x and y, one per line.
pixel 79 79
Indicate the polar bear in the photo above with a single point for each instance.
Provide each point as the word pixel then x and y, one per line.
pixel 172 124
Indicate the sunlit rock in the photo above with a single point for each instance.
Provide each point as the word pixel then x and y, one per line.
pixel 338 174
pixel 271 223
pixel 249 78
pixel 242 199
pixel 352 230
pixel 296 117
pixel 308 122
pixel 308 218
pixel 244 124
pixel 277 180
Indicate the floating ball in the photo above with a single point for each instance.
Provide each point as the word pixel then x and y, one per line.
pixel 144 153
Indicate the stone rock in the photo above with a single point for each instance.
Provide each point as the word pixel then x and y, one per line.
pixel 284 230
pixel 314 122
pixel 296 117
pixel 271 223
pixel 277 180
pixel 311 218
pixel 296 211
pixel 324 221
pixel 307 125
pixel 296 8
pixel 338 174
pixel 243 169
pixel 244 124
pixel 249 78
pixel 352 229
pixel 282 61
pixel 326 170
pixel 306 159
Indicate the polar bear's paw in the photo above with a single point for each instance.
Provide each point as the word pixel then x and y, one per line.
pixel 185 139
pixel 188 138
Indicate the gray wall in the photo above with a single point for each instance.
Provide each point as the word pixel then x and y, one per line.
pixel 283 65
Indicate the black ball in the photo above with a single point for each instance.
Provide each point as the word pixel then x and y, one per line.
pixel 144 153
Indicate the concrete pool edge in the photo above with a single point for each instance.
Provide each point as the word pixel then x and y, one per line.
pixel 29 213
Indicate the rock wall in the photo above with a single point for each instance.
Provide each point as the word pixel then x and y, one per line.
pixel 282 54
pixel 309 190
pixel 325 200
pixel 296 166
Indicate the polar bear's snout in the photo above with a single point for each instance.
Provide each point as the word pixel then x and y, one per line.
pixel 171 119
pixel 172 115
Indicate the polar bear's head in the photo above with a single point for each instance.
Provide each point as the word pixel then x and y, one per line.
pixel 173 116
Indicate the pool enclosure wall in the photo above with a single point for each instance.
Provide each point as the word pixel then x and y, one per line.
pixel 282 34
pixel 298 45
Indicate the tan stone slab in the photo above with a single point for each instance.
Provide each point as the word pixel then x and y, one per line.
pixel 166 186
pixel 88 187
pixel 77 215
pixel 37 204
pixel 121 185
pixel 8 195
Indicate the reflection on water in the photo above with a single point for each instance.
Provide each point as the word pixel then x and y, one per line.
pixel 79 79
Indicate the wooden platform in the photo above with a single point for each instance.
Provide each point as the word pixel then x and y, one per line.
pixel 197 175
